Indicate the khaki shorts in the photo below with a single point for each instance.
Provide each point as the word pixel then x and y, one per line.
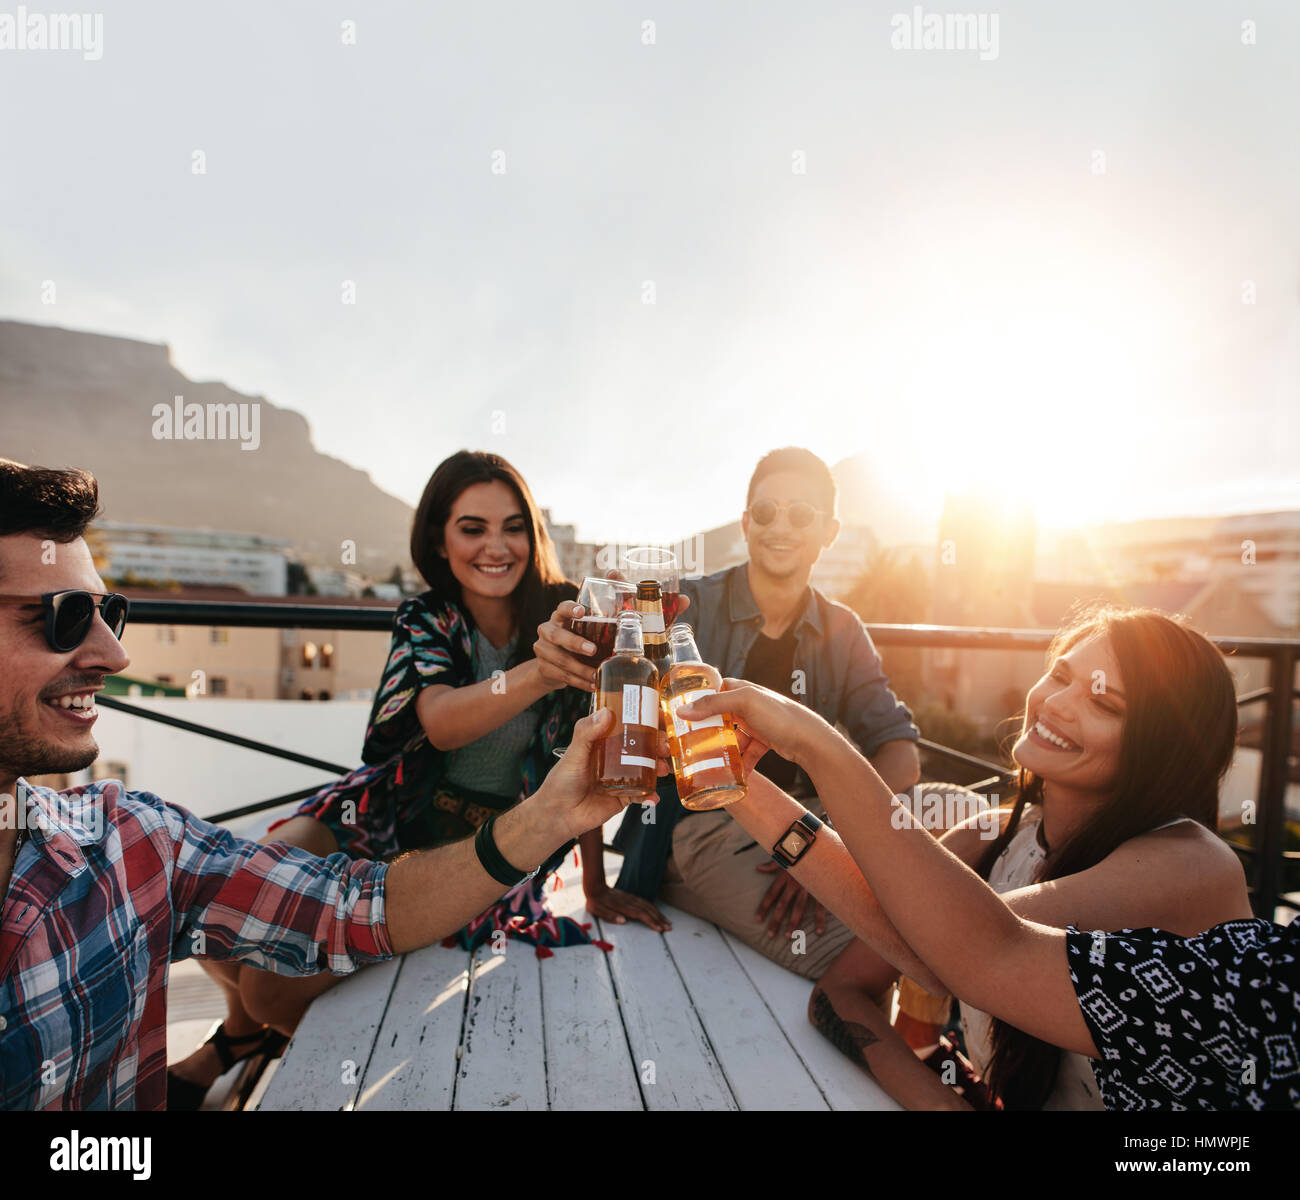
pixel 711 875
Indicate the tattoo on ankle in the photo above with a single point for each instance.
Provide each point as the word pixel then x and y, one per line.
pixel 848 1037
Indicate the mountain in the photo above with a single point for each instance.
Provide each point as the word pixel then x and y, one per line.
pixel 69 398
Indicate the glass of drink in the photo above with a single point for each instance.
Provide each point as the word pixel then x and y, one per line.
pixel 652 562
pixel 602 600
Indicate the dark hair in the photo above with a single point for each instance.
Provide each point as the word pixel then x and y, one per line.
pixel 801 462
pixel 58 504
pixel 1180 729
pixel 543 583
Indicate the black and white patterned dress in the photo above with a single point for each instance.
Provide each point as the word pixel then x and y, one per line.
pixel 1205 1022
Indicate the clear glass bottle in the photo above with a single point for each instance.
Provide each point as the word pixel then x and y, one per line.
pixel 627 684
pixel 705 754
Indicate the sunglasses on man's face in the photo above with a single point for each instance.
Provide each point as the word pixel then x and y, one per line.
pixel 70 614
pixel 800 514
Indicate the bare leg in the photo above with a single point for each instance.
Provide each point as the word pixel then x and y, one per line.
pixel 204 1066
pixel 844 1009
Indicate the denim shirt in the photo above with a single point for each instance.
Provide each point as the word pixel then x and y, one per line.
pixel 837 673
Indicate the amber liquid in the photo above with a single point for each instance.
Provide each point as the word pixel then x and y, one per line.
pixel 653 633
pixel 705 754
pixel 600 632
pixel 624 762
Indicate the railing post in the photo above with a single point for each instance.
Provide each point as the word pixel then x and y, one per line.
pixel 1274 774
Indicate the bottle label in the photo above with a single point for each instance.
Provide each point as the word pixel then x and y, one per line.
pixel 690 770
pixel 640 706
pixel 680 726
pixel 651 621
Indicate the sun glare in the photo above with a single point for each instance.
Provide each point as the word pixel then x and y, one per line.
pixel 1048 407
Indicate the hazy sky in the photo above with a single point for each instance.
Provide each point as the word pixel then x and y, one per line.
pixel 1023 271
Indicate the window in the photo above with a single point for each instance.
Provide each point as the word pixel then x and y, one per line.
pixel 327 656
pixel 324 694
pixel 308 654
pixel 305 694
pixel 167 633
pixel 217 686
pixel 165 680
pixel 218 637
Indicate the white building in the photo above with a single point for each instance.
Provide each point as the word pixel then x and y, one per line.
pixel 336 581
pixel 1261 551
pixel 843 564
pixel 577 559
pixel 256 564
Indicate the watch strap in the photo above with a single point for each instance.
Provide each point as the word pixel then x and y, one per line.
pixel 493 861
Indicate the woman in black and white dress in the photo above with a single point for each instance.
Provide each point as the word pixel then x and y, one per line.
pixel 1124 744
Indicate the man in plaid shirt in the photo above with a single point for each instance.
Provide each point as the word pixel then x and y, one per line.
pixel 101 888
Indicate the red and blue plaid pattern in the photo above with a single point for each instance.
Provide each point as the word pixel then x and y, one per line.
pixel 110 887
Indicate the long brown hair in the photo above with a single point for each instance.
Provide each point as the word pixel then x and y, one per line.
pixel 543 584
pixel 1179 732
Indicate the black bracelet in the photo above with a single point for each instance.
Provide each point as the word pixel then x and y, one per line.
pixel 494 862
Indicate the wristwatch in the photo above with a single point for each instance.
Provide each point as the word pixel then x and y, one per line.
pixel 795 841
pixel 494 862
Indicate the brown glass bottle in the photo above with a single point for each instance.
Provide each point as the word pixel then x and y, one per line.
pixel 705 754
pixel 627 684
pixel 649 603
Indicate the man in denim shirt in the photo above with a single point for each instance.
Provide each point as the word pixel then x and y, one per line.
pixel 762 621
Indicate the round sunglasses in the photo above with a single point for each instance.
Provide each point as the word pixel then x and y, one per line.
pixel 70 614
pixel 800 514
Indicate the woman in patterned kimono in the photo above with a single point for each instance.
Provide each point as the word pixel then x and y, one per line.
pixel 463 726
pixel 1124 743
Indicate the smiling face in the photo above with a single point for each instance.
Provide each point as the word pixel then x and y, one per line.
pixel 779 549
pixel 46 698
pixel 485 540
pixel 1074 720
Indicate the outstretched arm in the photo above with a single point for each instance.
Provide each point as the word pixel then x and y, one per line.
pixel 948 916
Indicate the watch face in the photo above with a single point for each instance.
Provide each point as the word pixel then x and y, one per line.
pixel 793 844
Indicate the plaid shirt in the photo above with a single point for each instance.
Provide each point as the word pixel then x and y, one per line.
pixel 110 886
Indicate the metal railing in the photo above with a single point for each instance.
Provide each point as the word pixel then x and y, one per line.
pixel 1265 860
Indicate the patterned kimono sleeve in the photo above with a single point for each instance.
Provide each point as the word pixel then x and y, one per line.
pixel 1173 1018
pixel 423 652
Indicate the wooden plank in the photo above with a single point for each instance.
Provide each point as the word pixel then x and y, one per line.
pixel 588 1063
pixel 786 995
pixel 323 1064
pixel 413 1065
pixel 761 1067
pixel 255 1099
pixel 503 1061
pixel 670 1050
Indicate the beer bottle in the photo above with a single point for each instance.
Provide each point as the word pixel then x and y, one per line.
pixel 706 754
pixel 627 684
pixel 649 603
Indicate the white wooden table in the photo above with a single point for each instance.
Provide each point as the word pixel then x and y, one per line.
pixel 691 1019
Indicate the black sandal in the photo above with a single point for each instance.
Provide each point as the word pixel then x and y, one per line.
pixel 184 1095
